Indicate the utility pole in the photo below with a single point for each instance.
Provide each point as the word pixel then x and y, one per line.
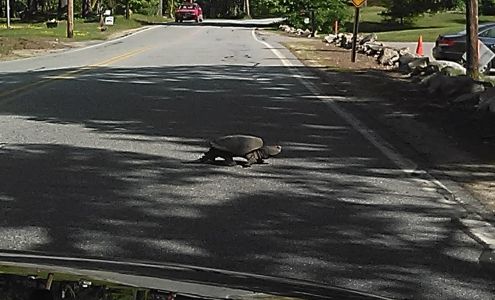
pixel 70 19
pixel 8 14
pixel 472 44
pixel 127 10
pixel 160 8
pixel 248 10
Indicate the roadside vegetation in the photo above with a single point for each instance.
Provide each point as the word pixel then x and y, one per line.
pixel 25 35
pixel 429 25
pixel 392 20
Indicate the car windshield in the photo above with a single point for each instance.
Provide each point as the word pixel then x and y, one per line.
pixel 257 137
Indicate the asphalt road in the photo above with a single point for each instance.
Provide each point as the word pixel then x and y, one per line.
pixel 92 149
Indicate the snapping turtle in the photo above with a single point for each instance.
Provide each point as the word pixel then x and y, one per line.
pixel 247 146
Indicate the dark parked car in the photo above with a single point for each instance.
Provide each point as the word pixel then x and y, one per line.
pixel 453 46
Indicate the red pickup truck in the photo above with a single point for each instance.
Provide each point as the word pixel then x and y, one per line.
pixel 189 11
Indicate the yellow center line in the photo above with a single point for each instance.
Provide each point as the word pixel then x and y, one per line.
pixel 68 75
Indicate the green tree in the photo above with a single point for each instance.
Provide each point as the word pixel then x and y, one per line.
pixel 326 12
pixel 266 8
pixel 406 10
pixel 487 7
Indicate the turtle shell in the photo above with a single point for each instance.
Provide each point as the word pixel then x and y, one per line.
pixel 237 144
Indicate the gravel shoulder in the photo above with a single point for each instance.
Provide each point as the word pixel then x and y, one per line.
pixel 451 142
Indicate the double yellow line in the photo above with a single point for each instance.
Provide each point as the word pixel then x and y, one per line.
pixel 9 95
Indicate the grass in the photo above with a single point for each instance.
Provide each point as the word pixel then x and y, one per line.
pixel 34 35
pixel 118 290
pixel 428 25
pixel 82 30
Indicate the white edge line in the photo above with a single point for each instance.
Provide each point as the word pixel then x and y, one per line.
pixel 113 40
pixel 404 164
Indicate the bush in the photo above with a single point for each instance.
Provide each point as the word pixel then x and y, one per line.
pixel 326 12
pixel 487 7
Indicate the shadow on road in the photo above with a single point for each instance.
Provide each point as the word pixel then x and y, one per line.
pixel 328 210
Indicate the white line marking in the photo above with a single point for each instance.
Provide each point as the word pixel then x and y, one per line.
pixel 404 164
pixel 114 40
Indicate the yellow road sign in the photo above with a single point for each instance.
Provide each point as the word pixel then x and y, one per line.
pixel 358 3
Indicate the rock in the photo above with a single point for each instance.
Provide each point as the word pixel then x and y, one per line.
pixel 458 69
pixel 389 56
pixel 299 31
pixel 450 71
pixel 404 61
pixel 468 98
pixel 374 47
pixel 404 51
pixel 452 87
pixel 487 100
pixel 418 63
pixel 370 38
pixel 330 38
pixel 345 41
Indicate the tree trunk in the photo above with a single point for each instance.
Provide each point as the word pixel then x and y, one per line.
pixel 86 8
pixel 127 10
pixel 160 8
pixel 70 19
pixel 472 46
pixel 247 8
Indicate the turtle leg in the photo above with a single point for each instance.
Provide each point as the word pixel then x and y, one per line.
pixel 229 160
pixel 208 156
pixel 251 159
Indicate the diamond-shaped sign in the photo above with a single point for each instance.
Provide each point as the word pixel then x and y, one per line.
pixel 358 3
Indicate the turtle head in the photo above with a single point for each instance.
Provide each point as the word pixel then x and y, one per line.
pixel 269 151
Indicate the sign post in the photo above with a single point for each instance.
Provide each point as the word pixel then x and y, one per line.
pixel 357 4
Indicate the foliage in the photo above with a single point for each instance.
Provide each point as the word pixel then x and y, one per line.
pixel 145 7
pixel 405 11
pixel 487 7
pixel 266 8
pixel 326 12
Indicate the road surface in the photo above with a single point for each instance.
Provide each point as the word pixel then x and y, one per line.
pixel 93 145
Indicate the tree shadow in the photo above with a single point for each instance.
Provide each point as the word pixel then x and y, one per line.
pixel 97 171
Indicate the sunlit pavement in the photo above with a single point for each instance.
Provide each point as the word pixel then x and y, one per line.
pixel 92 149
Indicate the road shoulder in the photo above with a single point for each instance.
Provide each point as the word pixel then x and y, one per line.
pixel 452 143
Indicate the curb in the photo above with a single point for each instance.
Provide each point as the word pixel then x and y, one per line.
pixel 484 234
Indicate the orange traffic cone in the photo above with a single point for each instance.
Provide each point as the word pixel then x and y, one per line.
pixel 419 48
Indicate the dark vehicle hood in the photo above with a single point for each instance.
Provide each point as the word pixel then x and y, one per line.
pixel 90 278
